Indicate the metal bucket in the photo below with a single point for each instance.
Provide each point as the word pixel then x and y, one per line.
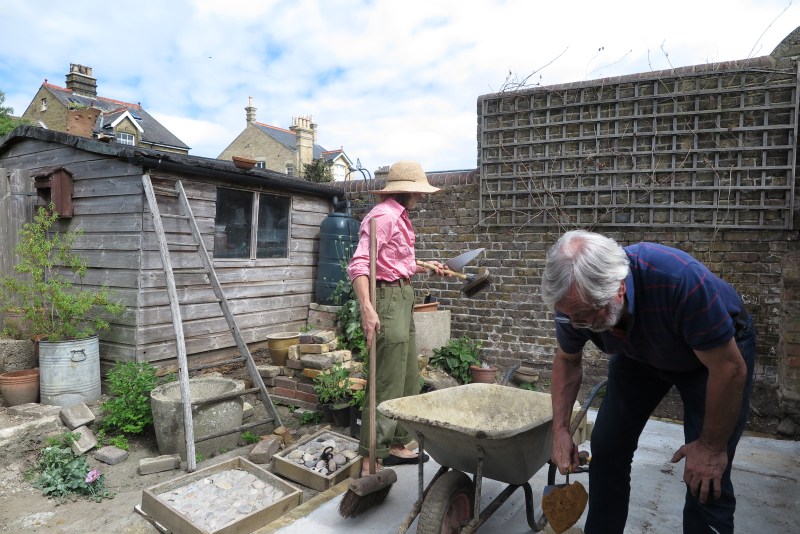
pixel 69 371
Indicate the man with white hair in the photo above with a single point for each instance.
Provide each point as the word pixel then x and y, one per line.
pixel 666 321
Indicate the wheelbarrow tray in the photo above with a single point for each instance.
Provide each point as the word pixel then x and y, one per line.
pixel 511 427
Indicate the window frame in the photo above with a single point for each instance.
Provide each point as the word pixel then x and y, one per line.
pixel 118 136
pixel 253 260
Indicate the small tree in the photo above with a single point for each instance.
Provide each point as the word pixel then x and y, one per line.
pixel 50 303
pixel 318 171
pixel 7 122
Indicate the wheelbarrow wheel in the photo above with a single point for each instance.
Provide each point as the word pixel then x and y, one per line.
pixel 448 505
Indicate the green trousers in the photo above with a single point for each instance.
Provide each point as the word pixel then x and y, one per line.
pixel 397 369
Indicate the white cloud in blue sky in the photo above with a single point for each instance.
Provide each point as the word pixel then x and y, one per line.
pixel 385 79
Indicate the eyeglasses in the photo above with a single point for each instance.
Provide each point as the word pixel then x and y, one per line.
pixel 580 324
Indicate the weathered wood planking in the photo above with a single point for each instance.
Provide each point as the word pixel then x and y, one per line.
pixel 164 332
pixel 163 350
pixel 189 312
pixel 202 294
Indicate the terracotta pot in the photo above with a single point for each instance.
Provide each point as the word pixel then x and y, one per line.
pixel 20 387
pixel 483 375
pixel 242 162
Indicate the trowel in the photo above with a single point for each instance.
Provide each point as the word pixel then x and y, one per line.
pixel 563 504
pixel 459 262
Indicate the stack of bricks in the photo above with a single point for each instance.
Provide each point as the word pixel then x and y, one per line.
pixel 321 316
pixel 316 352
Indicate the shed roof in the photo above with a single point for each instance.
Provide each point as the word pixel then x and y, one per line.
pixel 214 169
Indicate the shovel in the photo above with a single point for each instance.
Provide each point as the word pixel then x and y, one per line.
pixel 563 504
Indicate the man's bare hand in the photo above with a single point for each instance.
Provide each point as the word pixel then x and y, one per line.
pixel 703 470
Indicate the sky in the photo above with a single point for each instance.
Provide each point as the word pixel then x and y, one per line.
pixel 386 80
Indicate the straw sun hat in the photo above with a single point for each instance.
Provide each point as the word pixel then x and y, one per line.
pixel 407 177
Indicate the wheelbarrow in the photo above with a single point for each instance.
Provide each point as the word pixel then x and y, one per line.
pixel 485 430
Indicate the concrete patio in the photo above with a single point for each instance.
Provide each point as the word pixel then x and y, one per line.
pixel 766 473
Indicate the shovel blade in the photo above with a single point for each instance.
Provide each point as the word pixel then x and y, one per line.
pixel 563 505
pixel 459 262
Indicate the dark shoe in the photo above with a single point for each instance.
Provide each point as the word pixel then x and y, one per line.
pixel 393 460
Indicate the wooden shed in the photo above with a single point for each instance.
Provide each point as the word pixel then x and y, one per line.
pixel 260 227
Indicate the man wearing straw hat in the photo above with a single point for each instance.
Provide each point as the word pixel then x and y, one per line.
pixel 391 321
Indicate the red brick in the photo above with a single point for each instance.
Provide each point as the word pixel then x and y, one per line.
pixel 307 397
pixel 291 393
pixel 285 383
pixel 305 388
pixel 792 349
pixel 793 362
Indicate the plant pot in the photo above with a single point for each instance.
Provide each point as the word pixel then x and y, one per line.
pixel 428 307
pixel 20 387
pixel 340 414
pixel 483 375
pixel 279 344
pixel 355 423
pixel 242 162
pixel 70 371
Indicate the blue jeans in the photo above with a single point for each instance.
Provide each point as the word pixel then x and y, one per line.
pixel 634 391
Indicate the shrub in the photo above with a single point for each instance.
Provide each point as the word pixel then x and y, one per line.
pixel 456 357
pixel 129 385
pixel 332 386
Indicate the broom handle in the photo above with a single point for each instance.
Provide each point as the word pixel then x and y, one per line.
pixel 446 271
pixel 373 372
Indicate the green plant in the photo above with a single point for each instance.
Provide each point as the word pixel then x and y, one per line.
pixel 310 417
pixel 129 386
pixel 308 327
pixel 528 386
pixel 348 318
pixel 50 303
pixel 62 473
pixel 358 398
pixel 319 171
pixel 198 457
pixel 249 437
pixel 456 357
pixel 120 441
pixel 332 386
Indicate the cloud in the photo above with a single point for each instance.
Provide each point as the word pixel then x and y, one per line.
pixel 385 80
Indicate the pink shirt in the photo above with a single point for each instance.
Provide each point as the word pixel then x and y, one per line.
pixel 395 239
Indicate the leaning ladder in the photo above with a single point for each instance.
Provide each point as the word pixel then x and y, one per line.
pixel 177 324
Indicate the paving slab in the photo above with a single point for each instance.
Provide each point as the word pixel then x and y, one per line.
pixel 766 474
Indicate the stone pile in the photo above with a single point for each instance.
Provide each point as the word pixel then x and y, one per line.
pixel 324 455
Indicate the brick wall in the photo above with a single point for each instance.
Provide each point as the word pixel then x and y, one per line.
pixel 514 326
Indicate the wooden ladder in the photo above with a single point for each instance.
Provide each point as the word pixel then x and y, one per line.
pixel 177 324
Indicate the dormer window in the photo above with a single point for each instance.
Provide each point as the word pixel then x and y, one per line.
pixel 43 105
pixel 125 138
pixel 290 169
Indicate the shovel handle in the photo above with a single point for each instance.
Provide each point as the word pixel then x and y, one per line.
pixel 446 271
pixel 373 359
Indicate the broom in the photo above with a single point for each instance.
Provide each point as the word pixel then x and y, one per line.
pixel 370 491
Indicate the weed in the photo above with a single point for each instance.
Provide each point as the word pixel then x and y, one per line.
pixel 249 438
pixel 311 418
pixel 128 409
pixel 456 357
pixel 62 473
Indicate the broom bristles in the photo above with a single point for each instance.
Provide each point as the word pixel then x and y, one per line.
pixel 478 283
pixel 353 505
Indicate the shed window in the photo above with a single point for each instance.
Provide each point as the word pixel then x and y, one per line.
pixel 125 138
pixel 251 225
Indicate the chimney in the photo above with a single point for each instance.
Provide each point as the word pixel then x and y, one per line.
pixel 81 121
pixel 305 132
pixel 80 80
pixel 251 111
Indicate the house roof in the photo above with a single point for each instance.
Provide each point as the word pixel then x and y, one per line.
pixel 148 159
pixel 286 137
pixel 331 155
pixel 110 110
